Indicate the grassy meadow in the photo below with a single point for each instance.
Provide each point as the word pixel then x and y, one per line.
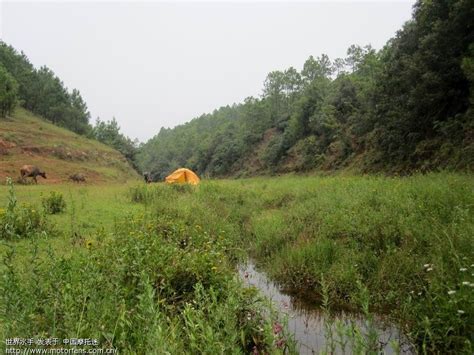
pixel 151 268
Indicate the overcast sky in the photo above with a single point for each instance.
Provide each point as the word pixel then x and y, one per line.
pixel 154 64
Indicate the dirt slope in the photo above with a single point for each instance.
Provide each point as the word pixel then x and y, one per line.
pixel 28 139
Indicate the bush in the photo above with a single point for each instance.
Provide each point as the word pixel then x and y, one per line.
pixel 54 203
pixel 23 221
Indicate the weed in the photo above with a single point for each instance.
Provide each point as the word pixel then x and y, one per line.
pixel 54 203
pixel 21 221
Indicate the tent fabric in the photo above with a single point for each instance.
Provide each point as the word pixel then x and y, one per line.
pixel 182 175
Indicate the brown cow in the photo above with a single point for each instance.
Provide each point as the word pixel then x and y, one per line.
pixel 31 171
pixel 78 177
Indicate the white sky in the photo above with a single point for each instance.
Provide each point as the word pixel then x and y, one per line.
pixel 153 64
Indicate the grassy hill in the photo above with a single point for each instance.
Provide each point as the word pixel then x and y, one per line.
pixel 27 139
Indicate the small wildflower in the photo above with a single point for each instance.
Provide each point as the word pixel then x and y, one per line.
pixel 465 283
pixel 429 269
pixel 419 293
pixel 426 266
pixel 451 292
pixel 460 311
pixel 277 328
pixel 462 269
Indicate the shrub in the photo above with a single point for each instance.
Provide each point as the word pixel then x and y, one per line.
pixel 54 203
pixel 22 221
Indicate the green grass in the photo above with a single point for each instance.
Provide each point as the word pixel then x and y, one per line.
pixel 140 282
pixel 167 253
pixel 409 241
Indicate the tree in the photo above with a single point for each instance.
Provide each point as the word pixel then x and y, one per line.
pixel 422 84
pixel 320 67
pixel 109 134
pixel 42 92
pixel 81 116
pixel 8 92
pixel 339 66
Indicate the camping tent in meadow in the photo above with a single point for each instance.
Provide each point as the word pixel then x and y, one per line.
pixel 182 175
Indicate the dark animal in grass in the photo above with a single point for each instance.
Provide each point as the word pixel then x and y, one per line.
pixel 78 177
pixel 31 171
pixel 147 177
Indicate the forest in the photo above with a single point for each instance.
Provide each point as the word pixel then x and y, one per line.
pixel 404 108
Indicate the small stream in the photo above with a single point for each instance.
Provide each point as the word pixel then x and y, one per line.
pixel 307 324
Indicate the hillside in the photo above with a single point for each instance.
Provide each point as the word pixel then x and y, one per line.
pixel 401 109
pixel 27 139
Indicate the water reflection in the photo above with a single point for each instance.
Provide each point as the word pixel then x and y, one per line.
pixel 307 324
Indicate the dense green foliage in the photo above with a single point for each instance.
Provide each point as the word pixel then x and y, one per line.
pixel 109 134
pixel 406 107
pixel 43 93
pixel 8 92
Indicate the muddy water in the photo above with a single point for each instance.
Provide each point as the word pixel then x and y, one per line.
pixel 307 324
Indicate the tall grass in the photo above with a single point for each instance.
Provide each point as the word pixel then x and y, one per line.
pixel 163 279
pixel 408 241
pixel 153 285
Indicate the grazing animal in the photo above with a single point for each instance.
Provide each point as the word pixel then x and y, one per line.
pixel 78 177
pixel 147 177
pixel 31 171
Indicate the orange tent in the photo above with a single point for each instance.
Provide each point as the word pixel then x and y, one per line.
pixel 182 175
